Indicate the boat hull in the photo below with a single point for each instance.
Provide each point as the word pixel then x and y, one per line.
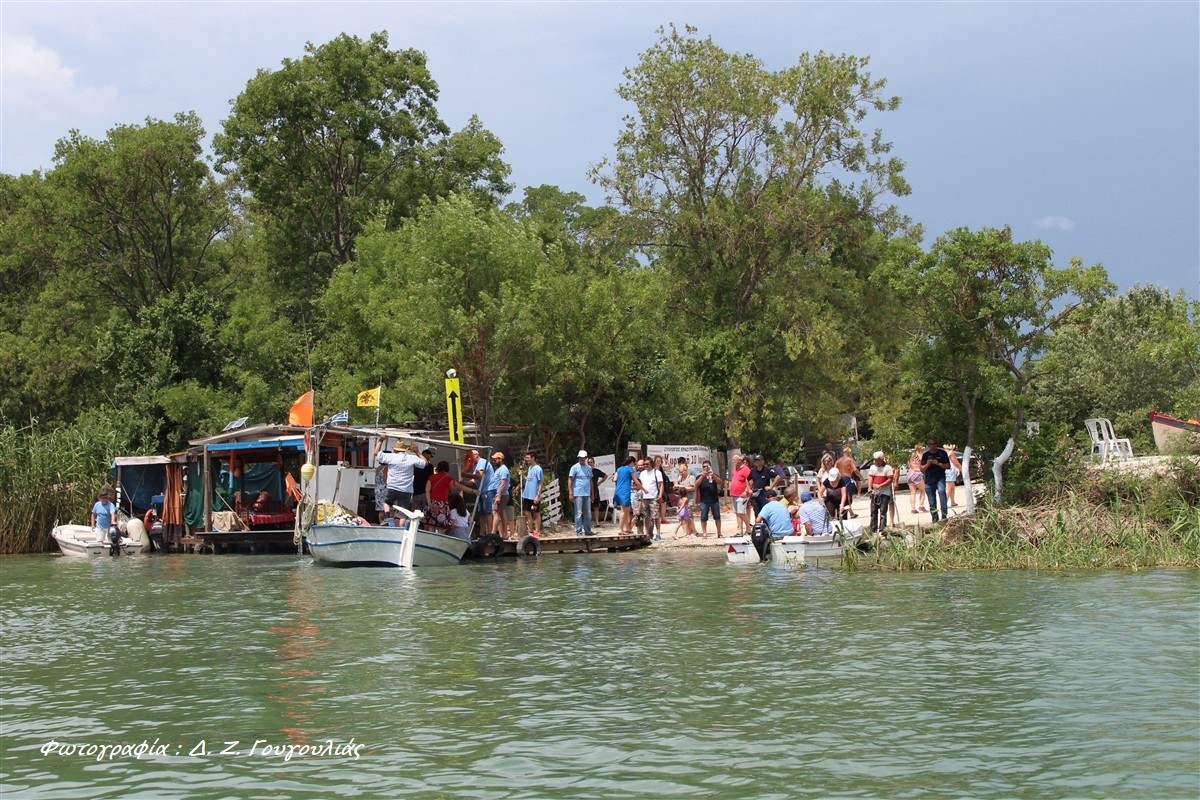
pixel 380 545
pixel 83 541
pixel 740 550
pixel 812 549
pixel 1173 435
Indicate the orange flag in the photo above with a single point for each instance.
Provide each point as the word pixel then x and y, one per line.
pixel 301 412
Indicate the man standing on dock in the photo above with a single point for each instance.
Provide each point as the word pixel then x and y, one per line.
pixel 579 487
pixel 500 488
pixel 477 475
pixel 531 494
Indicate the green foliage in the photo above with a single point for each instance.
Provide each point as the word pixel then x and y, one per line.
pixel 1129 355
pixel 50 473
pixel 330 140
pixel 138 212
pixel 726 174
pixel 984 308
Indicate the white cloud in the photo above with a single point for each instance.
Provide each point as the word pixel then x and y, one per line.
pixel 35 77
pixel 1058 223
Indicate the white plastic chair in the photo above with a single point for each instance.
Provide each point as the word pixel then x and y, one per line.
pixel 1105 442
pixel 1122 446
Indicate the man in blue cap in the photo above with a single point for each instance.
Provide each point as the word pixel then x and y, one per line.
pixel 813 516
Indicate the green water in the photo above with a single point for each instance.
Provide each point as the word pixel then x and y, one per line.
pixel 628 675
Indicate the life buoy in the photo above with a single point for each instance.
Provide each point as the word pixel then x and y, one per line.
pixel 529 546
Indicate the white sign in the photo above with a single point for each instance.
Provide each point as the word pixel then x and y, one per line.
pixel 671 453
pixel 607 465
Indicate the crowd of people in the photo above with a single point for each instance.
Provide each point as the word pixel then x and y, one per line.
pixel 645 489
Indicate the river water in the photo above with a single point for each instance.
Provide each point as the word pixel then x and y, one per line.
pixel 644 674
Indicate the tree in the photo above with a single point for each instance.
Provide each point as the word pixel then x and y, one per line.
pixel 331 140
pixel 1129 355
pixel 456 286
pixel 985 306
pixel 758 194
pixel 138 213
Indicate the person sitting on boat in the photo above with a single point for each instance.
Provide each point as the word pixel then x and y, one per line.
pixel 813 516
pixel 774 515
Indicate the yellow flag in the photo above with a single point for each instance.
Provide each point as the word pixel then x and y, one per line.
pixel 369 398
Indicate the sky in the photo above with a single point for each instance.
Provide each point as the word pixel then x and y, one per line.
pixel 1075 123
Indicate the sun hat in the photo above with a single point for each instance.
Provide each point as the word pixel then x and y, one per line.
pixel 582 454
pixel 834 474
pixel 805 497
pixel 878 454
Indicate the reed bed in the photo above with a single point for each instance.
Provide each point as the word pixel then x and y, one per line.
pixel 50 474
pixel 1107 521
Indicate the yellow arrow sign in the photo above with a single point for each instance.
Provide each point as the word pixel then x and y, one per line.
pixel 454 411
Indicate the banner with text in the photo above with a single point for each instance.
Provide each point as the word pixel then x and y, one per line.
pixel 671 453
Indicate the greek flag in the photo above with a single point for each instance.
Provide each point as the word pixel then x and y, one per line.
pixel 340 418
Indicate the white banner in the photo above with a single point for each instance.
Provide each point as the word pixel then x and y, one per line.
pixel 607 465
pixel 671 454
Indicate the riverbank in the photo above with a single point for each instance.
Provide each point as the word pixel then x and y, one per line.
pixel 1137 515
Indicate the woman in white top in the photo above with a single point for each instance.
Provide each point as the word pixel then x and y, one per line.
pixel 952 473
pixel 459 517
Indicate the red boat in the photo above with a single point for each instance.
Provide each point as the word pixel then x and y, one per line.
pixel 1174 435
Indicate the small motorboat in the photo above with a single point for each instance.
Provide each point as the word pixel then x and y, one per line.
pixel 793 549
pixel 86 541
pixel 811 549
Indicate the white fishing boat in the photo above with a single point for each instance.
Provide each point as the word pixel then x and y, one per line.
pixel 338 538
pixel 86 541
pixel 813 549
pixel 796 549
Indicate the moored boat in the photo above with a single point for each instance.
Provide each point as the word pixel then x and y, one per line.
pixel 811 549
pixel 338 538
pixel 1174 435
pixel 794 549
pixel 86 541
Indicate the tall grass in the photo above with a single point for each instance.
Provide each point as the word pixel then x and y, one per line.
pixel 50 473
pixel 1117 521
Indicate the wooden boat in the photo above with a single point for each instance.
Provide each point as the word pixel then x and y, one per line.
pixel 87 542
pixel 1174 435
pixel 338 538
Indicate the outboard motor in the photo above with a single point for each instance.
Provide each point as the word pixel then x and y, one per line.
pixel 114 541
pixel 760 537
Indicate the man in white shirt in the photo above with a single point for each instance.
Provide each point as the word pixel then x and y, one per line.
pixel 879 478
pixel 650 484
pixel 400 466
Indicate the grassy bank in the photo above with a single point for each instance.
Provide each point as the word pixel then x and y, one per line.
pixel 1088 519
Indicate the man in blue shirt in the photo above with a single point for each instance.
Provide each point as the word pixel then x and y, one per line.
pixel 774 515
pixel 579 488
pixel 499 489
pixel 813 516
pixel 531 494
